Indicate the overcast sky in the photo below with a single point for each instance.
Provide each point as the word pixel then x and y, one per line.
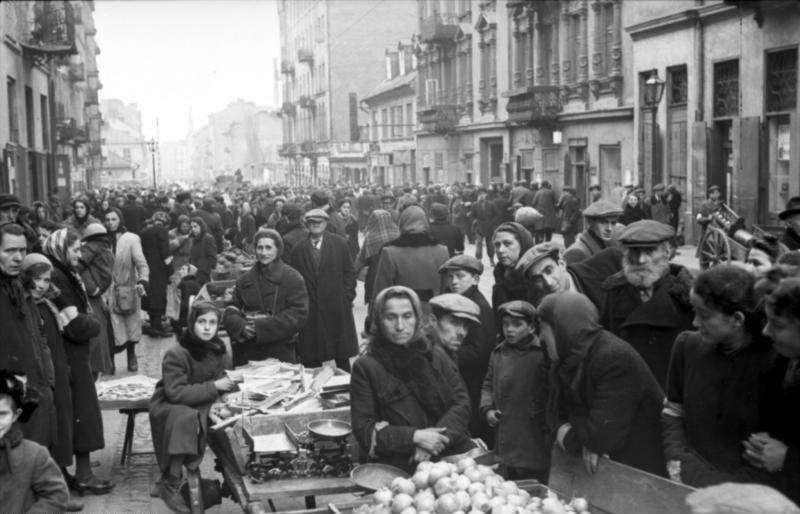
pixel 170 55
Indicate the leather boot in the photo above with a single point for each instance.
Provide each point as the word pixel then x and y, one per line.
pixel 133 364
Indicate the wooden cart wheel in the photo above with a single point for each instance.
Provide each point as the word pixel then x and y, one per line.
pixel 714 248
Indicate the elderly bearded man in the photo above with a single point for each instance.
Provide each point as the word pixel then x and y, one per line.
pixel 647 303
pixel 601 216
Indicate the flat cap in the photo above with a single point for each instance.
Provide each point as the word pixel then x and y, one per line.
pixel 713 188
pixel 316 214
pixel 518 309
pixel 646 233
pixel 602 209
pixel 35 258
pixel 463 261
pixel 639 189
pixel 8 200
pixel 319 198
pixel 659 187
pixel 594 187
pixel 551 249
pixel 92 229
pixel 457 305
pixel 568 189
pixel 388 197
pixel 527 216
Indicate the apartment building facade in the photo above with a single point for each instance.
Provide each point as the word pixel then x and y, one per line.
pixel 332 54
pixel 126 158
pixel 391 110
pixel 49 113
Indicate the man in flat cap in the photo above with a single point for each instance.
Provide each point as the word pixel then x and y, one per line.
pixel 9 208
pixel 791 216
pixel 323 259
pixel 595 193
pixel 601 216
pixel 647 303
pixel 463 274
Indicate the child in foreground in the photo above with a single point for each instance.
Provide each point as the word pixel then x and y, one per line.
pixel 509 391
pixel 30 480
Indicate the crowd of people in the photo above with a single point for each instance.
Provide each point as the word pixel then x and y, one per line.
pixel 600 344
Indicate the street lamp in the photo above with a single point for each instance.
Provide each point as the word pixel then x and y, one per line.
pixel 152 145
pixel 653 91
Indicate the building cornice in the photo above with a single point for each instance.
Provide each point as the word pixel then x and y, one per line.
pixel 617 113
pixel 680 20
pixel 12 44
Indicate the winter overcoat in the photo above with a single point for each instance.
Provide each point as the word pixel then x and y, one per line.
pixel 378 396
pixel 155 247
pixel 95 267
pixel 35 485
pixel 278 292
pixel 130 267
pixel 586 245
pixel 182 400
pixel 204 253
pixel 544 201
pixel 87 418
pixel 330 331
pixel 650 327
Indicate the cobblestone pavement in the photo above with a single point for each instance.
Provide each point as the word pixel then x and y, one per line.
pixel 133 480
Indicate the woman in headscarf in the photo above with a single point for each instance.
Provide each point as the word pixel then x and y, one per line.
pixel 413 259
pixel 63 249
pixel 269 305
pixel 510 242
pixel 180 245
pixel 603 399
pixel 380 229
pixel 95 267
pixel 129 279
pixel 409 403
pixel 80 217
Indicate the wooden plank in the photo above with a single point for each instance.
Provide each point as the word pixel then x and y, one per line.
pixel 139 405
pixel 616 488
pixel 294 487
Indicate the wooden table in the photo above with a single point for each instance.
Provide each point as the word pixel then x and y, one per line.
pixel 128 408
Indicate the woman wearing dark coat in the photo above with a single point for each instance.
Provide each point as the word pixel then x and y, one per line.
pixel 204 250
pixel 95 267
pixel 192 379
pixel 408 400
pixel 275 294
pixel 633 210
pixel 509 282
pixel 80 217
pixel 544 201
pixel 603 399
pixel 155 246
pixel 726 362
pixel 380 229
pixel 63 250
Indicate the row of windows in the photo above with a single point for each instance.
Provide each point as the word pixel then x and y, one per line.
pixel 395 122
pixel 13 115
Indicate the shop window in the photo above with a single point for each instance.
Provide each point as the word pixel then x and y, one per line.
pixel 526 159
pixel 726 88
pixel 779 128
pixel 550 161
pixel 575 175
pixel 678 86
pixel 781 80
pixel 677 126
pixel 610 169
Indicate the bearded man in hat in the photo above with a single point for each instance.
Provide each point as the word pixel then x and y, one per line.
pixel 791 216
pixel 601 216
pixel 647 303
pixel 323 259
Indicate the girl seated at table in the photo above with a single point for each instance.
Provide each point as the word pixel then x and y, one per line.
pixel 193 377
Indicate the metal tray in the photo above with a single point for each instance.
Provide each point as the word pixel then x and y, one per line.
pixel 330 428
pixel 373 476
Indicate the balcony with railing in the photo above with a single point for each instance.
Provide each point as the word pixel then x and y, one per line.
pixel 439 28
pixel 307 102
pixel 308 147
pixel 439 112
pixel 287 150
pixel 287 68
pixel 537 105
pixel 77 72
pixel 51 29
pixel 288 109
pixel 305 55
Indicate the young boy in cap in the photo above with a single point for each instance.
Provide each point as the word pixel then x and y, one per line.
pixel 30 480
pixel 511 394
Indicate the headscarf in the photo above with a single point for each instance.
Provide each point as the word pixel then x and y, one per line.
pixel 413 220
pixel 411 364
pixel 196 347
pixel 576 328
pixel 55 246
pixel 380 229
pixel 113 236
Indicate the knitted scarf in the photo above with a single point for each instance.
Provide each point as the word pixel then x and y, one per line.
pixel 412 365
pixel 198 348
pixel 12 288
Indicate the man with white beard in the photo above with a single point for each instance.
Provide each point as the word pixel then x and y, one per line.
pixel 647 302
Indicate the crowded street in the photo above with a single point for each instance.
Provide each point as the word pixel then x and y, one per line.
pixel 400 256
